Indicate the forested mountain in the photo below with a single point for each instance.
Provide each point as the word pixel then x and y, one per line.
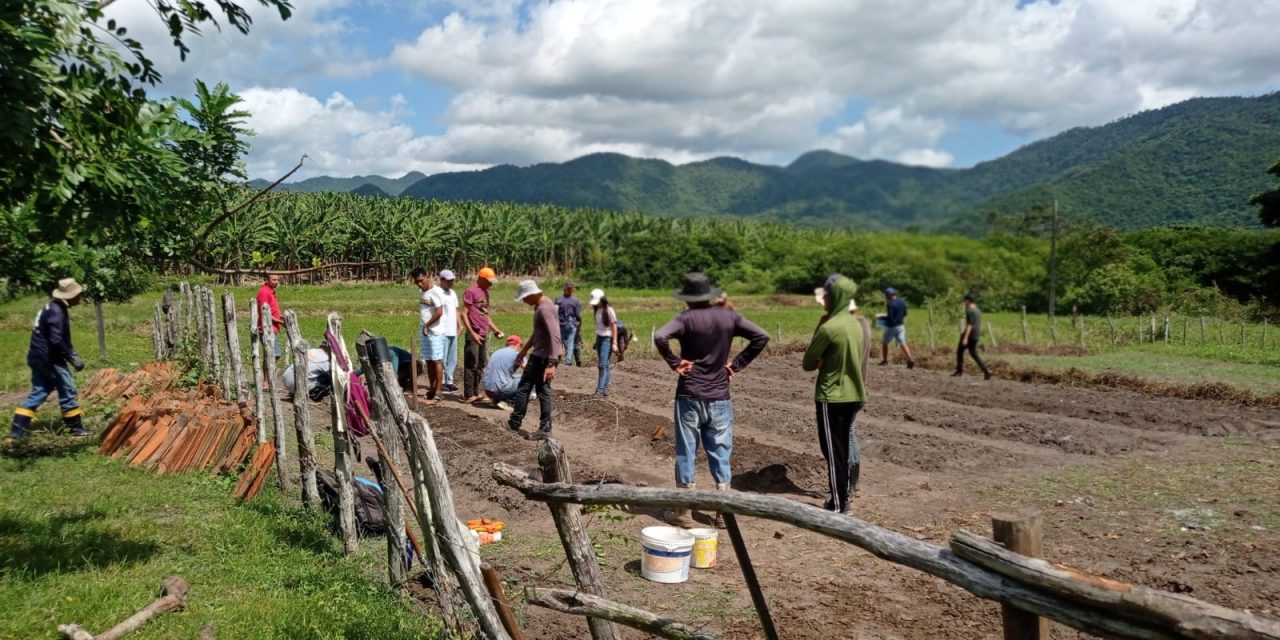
pixel 386 186
pixel 1195 162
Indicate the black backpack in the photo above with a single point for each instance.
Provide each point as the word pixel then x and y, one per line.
pixel 368 502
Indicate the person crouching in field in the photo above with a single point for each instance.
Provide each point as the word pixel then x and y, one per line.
pixel 500 380
pixel 704 411
pixel 838 352
pixel 49 355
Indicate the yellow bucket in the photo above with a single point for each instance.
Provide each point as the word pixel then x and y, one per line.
pixel 705 542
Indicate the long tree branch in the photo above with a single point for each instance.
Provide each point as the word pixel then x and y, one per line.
pixel 227 213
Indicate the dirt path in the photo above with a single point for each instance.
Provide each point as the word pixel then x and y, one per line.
pixel 938 454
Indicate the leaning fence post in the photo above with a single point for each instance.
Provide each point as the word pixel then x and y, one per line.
pixel 375 359
pixel 749 574
pixel 494 584
pixel 277 411
pixel 255 356
pixel 301 414
pixel 341 445
pixel 1021 535
pixel 991 331
pixel 577 544
pixel 235 361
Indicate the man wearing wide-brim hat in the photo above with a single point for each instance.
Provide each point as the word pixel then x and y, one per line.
pixel 704 411
pixel 544 349
pixel 49 356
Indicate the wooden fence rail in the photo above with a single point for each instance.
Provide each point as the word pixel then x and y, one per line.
pixel 1181 617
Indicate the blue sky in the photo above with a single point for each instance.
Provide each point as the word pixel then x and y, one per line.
pixel 376 86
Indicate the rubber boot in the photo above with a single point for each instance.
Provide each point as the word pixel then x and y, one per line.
pixel 75 424
pixel 721 486
pixel 683 517
pixel 21 422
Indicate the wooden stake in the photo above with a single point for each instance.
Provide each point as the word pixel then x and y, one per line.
pixel 1201 329
pixel 1153 329
pixel 157 333
pixel 375 360
pixel 1053 330
pixel 1184 330
pixel 1265 322
pixel 1025 338
pixel 573 535
pixel 342 450
pixel 991 331
pixel 235 360
pixel 1021 535
pixel 749 574
pixel 255 354
pixel 445 583
pixel 1242 333
pixel 221 373
pixel 301 411
pixel 929 309
pixel 1081 322
pixel 573 602
pixel 494 584
pixel 277 411
pixel 1111 330
pixel 1166 328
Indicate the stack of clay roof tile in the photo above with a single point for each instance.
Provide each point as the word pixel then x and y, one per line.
pixel 109 384
pixel 184 430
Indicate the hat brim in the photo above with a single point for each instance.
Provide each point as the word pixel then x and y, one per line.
pixel 701 297
pixel 520 298
pixel 69 293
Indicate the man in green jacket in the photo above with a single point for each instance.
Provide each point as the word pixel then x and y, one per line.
pixel 837 352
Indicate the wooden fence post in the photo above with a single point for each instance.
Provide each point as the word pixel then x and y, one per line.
pixel 1201 329
pixel 1265 322
pixel 494 584
pixel 375 359
pixel 172 311
pixel 446 584
pixel 301 413
pixel 198 321
pixel 1222 332
pixel 929 309
pixel 1111 330
pixel 1021 535
pixel 1184 330
pixel 255 356
pixel 749 574
pixel 1242 332
pixel 1153 329
pixel 235 361
pixel 573 536
pixel 991 331
pixel 1053 330
pixel 222 371
pixel 342 451
pixel 1025 338
pixel 277 411
pixel 188 315
pixel 1081 321
pixel 1166 328
pixel 157 333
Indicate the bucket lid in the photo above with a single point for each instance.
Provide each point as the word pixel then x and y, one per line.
pixel 666 534
pixel 703 532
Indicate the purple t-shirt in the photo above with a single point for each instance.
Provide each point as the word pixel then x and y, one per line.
pixel 476 300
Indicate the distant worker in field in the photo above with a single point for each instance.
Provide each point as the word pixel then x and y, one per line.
pixel 895 327
pixel 704 410
pixel 569 311
pixel 500 381
pixel 270 329
pixel 969 338
pixel 544 349
pixel 432 343
pixel 49 355
pixel 839 351
pixel 450 326
pixel 478 324
pixel 606 335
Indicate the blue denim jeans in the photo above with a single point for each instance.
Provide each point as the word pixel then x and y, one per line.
pixel 450 357
pixel 711 423
pixel 568 334
pixel 46 379
pixel 604 349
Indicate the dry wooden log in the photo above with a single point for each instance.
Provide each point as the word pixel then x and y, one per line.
pixel 301 413
pixel 235 362
pixel 582 604
pixel 277 411
pixel 173 598
pixel 456 543
pixel 1180 614
pixel 255 355
pixel 221 372
pixel 573 535
pixel 884 543
pixel 342 451
pixel 373 355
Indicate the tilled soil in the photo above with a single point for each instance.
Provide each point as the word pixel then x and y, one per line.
pixel 939 454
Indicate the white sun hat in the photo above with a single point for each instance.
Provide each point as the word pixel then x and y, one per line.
pixel 596 296
pixel 525 289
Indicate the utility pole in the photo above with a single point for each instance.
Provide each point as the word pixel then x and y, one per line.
pixel 1053 263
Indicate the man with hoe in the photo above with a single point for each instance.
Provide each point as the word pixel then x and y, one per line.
pixel 969 338
pixel 544 349
pixel 838 352
pixel 49 355
pixel 569 310
pixel 478 324
pixel 704 411
pixel 895 327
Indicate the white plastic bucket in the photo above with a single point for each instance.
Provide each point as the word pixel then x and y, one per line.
pixel 666 553
pixel 705 542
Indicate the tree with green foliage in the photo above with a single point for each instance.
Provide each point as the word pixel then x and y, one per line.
pixel 99 180
pixel 1269 201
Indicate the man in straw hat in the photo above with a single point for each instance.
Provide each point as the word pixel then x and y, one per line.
pixel 48 356
pixel 704 412
pixel 544 348
pixel 478 324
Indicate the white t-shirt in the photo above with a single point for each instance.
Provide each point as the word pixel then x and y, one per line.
pixel 447 302
pixel 605 329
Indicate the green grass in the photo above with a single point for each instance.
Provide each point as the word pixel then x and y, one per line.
pixel 1159 363
pixel 85 539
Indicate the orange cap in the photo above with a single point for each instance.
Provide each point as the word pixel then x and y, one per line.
pixel 487 274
